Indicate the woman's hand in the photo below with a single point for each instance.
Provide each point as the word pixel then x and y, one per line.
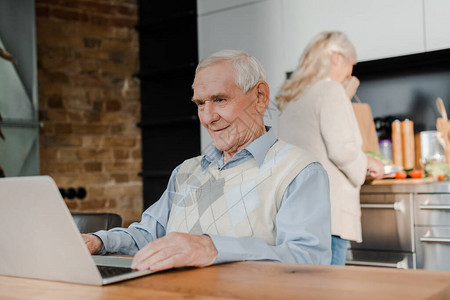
pixel 375 167
pixel 351 85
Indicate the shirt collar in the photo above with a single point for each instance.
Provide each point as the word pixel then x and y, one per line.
pixel 258 149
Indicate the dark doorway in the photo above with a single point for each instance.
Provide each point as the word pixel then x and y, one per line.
pixel 169 122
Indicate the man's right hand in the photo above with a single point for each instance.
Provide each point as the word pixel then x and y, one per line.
pixel 93 243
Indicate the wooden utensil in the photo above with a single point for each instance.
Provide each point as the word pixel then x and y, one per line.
pixel 443 126
pixel 441 108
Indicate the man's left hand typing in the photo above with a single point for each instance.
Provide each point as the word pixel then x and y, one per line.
pixel 176 250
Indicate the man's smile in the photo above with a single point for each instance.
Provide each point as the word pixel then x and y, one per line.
pixel 218 130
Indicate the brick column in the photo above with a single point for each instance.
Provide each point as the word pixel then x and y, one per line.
pixel 89 102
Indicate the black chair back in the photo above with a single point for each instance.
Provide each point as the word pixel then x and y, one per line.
pixel 92 222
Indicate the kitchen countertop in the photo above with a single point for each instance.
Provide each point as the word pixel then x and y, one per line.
pixel 410 185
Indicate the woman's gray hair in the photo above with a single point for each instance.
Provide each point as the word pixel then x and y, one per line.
pixel 248 69
pixel 314 64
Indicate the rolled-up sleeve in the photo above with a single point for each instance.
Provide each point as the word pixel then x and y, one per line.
pixel 303 225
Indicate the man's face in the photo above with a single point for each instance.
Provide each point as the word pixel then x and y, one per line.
pixel 230 116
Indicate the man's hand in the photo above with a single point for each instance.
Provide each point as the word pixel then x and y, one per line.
pixel 93 243
pixel 176 250
pixel 351 85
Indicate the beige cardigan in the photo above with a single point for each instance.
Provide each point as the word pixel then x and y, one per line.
pixel 322 122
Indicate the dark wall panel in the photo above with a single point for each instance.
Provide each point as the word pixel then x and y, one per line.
pixel 168 57
pixel 406 87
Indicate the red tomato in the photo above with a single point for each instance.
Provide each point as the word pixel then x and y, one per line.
pixel 440 177
pixel 400 175
pixel 416 173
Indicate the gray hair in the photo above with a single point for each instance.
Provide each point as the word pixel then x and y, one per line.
pixel 314 64
pixel 248 69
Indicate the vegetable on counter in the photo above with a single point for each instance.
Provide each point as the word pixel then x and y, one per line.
pixel 416 173
pixel 437 169
pixel 378 156
pixel 400 175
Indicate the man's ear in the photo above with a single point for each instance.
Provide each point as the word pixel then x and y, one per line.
pixel 263 94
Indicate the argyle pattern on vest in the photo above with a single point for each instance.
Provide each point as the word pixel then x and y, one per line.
pixel 240 201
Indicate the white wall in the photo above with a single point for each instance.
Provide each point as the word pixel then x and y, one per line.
pixel 252 26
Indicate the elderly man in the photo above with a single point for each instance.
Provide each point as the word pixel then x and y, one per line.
pixel 251 197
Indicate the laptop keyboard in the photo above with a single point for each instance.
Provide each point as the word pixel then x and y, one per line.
pixel 108 271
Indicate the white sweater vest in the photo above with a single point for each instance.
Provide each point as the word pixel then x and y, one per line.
pixel 237 202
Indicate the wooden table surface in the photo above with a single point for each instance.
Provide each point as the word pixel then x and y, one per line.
pixel 248 280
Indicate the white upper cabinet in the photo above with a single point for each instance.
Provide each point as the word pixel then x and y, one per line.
pixel 437 24
pixel 378 29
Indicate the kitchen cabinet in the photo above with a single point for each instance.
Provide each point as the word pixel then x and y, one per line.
pixel 432 228
pixel 437 24
pixel 378 29
pixel 404 226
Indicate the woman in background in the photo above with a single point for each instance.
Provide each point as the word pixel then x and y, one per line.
pixel 317 115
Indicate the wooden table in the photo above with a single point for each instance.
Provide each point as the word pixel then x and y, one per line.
pixel 249 280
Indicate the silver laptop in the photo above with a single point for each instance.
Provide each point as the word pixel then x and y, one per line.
pixel 39 238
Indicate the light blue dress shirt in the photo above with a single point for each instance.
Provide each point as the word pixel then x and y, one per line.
pixel 303 221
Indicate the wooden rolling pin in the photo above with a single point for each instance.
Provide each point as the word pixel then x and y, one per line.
pixel 408 144
pixel 397 149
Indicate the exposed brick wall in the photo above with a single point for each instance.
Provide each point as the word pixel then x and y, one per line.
pixel 89 102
